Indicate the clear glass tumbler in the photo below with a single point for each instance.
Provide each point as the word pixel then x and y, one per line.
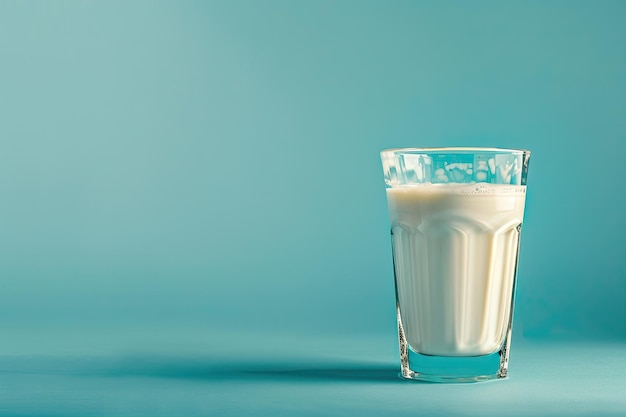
pixel 456 217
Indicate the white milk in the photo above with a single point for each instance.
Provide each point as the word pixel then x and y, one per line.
pixel 455 249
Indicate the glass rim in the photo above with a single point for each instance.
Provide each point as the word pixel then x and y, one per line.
pixel 454 149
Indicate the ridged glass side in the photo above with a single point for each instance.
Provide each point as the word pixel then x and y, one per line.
pixel 454 309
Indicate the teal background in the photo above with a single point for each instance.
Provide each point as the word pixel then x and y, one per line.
pixel 195 177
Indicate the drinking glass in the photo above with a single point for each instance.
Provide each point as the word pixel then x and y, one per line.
pixel 456 217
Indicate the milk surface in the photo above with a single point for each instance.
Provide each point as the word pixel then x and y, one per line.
pixel 455 250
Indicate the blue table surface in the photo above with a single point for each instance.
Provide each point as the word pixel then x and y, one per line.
pixel 160 372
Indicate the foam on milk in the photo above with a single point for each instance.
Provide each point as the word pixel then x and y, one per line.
pixel 455 249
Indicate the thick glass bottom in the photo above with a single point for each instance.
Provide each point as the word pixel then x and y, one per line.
pixel 453 368
pixel 421 367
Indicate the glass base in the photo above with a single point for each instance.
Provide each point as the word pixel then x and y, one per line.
pixel 421 367
pixel 453 369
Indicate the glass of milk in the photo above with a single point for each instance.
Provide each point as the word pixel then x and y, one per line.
pixel 456 217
